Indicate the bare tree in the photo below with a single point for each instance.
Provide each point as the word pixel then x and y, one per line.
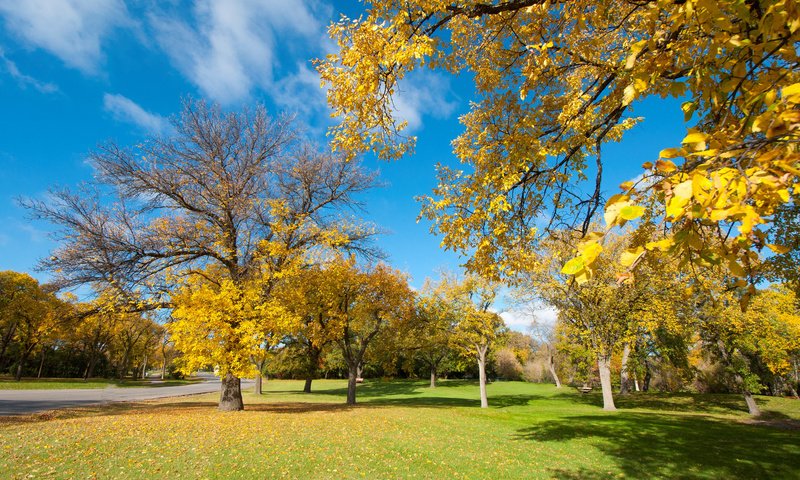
pixel 211 194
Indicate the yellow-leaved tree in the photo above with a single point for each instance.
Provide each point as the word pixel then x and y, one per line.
pixel 554 81
pixel 207 221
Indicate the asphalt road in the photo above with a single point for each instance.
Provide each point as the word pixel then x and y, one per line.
pixel 17 402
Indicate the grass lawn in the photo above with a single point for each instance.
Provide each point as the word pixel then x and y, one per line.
pixel 403 429
pixel 7 383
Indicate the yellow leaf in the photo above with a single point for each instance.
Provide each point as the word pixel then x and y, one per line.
pixel 628 95
pixel 573 266
pixel 629 257
pixel 779 249
pixel 590 252
pixel 665 166
pixel 670 153
pixel 631 212
pixel 791 91
pixel 694 137
pixel 683 190
pixel 662 245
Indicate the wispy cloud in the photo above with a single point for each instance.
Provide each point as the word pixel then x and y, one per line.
pixel 423 94
pixel 126 110
pixel 231 47
pixel 23 80
pixel 72 30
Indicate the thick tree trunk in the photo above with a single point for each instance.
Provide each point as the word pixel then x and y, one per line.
pixel 352 375
pixel 551 364
pixel 624 381
pixel 307 385
pixel 144 366
pixel 230 398
pixel 604 365
pixel 433 376
pixel 164 369
pixel 482 375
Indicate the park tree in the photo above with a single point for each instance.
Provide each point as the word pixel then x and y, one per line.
pixel 602 313
pixel 437 321
pixel 554 81
pixel 30 313
pixel 363 304
pixel 215 214
pixel 478 327
pixel 766 334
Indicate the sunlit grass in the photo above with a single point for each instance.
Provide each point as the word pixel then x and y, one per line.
pixel 404 429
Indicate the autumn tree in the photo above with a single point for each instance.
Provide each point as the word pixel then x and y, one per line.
pixel 210 216
pixel 766 334
pixel 478 326
pixel 30 314
pixel 438 319
pixel 553 82
pixel 365 303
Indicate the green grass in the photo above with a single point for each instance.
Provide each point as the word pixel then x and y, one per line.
pixel 403 429
pixel 77 383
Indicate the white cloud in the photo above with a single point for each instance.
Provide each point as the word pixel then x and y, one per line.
pixel 72 30
pixel 23 80
pixel 522 319
pixel 232 47
pixel 422 94
pixel 126 110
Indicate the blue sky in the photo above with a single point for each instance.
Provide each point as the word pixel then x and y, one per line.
pixel 74 73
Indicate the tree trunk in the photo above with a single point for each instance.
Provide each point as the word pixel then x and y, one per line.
pixel 636 384
pixel 433 376
pixel 604 365
pixel 230 398
pixel 624 381
pixel 351 384
pixel 482 375
pixel 7 341
pixel 164 369
pixel 307 385
pixel 752 407
pixel 18 375
pixel 144 366
pixel 647 377
pixel 552 366
pixel 258 390
pixel 41 364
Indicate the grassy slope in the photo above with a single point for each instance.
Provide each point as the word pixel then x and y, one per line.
pixel 406 430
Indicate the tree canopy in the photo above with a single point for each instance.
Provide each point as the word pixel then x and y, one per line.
pixel 553 81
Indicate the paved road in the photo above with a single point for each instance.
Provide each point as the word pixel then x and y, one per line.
pixel 16 402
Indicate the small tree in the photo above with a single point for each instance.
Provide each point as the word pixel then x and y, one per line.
pixel 478 327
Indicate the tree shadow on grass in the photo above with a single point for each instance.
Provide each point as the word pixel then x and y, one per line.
pixel 674 446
